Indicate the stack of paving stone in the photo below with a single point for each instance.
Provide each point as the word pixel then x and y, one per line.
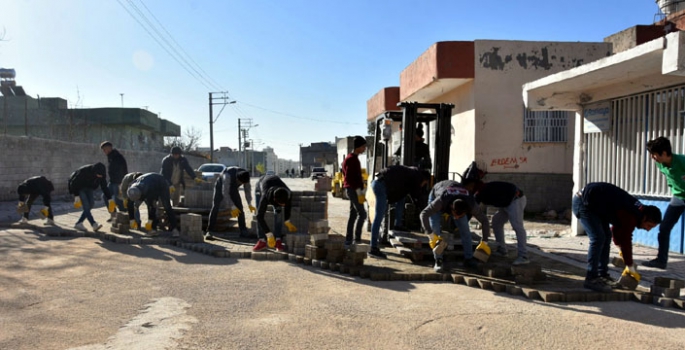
pixel 295 243
pixel 307 206
pixel 666 291
pixel 415 247
pixel 528 274
pixel 356 255
pixel 335 249
pixel 120 224
pixel 323 184
pixel 191 228
pixel 198 195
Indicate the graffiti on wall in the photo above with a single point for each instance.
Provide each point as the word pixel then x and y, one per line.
pixel 508 162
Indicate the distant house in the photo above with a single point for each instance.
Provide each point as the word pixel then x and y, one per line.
pixel 318 154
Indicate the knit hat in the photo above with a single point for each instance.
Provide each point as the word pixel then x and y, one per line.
pixel 176 150
pixel 359 141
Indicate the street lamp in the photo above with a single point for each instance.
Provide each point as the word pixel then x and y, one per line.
pixel 223 100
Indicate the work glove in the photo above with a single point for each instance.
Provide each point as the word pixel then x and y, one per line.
pixel 290 226
pixel 45 211
pixel 446 216
pixel 361 196
pixel 148 225
pixel 483 245
pixel 235 212
pixel 172 189
pixel 252 209
pixel 632 271
pixel 198 180
pixel 133 224
pixel 125 203
pixel 433 240
pixel 77 202
pixel 270 240
pixel 111 206
pixel 22 208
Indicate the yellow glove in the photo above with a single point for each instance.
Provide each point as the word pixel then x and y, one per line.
pixel 111 206
pixel 148 225
pixel 484 247
pixel 445 216
pixel 630 270
pixel 45 211
pixel 361 196
pixel 77 203
pixel 235 212
pixel 198 180
pixel 125 203
pixel 172 189
pixel 290 226
pixel 270 240
pixel 252 209
pixel 620 253
pixel 22 208
pixel 433 240
pixel 134 224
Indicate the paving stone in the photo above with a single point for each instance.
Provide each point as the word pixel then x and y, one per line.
pixel 363 273
pixel 432 276
pixel 260 256
pixel 499 287
pixel 484 284
pixel 665 292
pixel 396 276
pixel 415 277
pixel 360 248
pixel 574 297
pixel 458 279
pixel 663 302
pixel 628 282
pixel 481 255
pixel 531 293
pixel 679 303
pixel 377 276
pixel 300 259
pixel 446 277
pixel 514 290
pixel 316 262
pixel 665 282
pixel 618 262
pixel 551 297
pixel 354 271
pixel 613 296
pixel 496 272
pixel 471 281
pixel 325 264
pixel 344 269
pixel 593 296
pixel 524 280
pixel 643 297
pixel 292 257
pixel 278 256
pixel 307 261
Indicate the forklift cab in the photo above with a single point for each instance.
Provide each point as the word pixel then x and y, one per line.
pixel 397 130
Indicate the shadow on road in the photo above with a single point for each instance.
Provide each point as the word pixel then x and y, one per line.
pixel 162 253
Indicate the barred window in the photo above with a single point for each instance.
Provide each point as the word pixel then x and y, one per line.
pixel 545 126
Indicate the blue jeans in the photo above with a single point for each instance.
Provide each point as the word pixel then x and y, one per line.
pixel 675 209
pixel 462 225
pixel 599 233
pixel 399 211
pixel 114 191
pixel 513 213
pixel 357 215
pixel 381 194
pixel 88 202
pixel 278 220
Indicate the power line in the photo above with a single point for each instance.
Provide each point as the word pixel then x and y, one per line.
pixel 298 117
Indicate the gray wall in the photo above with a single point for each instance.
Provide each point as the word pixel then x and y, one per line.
pixel 543 191
pixel 23 157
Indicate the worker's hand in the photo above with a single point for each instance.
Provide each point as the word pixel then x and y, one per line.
pixel 290 226
pixel 125 203
pixel 22 208
pixel 148 225
pixel 45 211
pixel 632 271
pixel 133 224
pixel 446 216
pixel 111 206
pixel 198 180
pixel 172 189
pixel 252 209
pixel 433 240
pixel 361 195
pixel 235 212
pixel 483 245
pixel 77 202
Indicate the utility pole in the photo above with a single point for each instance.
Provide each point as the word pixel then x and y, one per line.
pixel 244 126
pixel 222 100
pixel 122 99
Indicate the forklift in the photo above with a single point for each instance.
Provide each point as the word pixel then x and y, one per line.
pixel 413 115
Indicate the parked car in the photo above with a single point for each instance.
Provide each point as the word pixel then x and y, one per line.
pixel 210 169
pixel 318 172
pixel 270 172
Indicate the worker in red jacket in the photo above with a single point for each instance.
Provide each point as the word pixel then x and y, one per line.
pixel 599 205
pixel 354 187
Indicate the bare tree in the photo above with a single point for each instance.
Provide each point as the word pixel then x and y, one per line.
pixel 188 141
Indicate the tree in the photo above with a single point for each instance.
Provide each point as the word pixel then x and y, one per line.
pixel 188 141
pixel 261 168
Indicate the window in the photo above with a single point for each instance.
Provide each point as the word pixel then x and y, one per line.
pixel 545 126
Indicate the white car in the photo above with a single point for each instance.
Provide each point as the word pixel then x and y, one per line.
pixel 210 169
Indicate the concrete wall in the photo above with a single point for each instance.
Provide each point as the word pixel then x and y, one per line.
pixel 543 191
pixel 502 67
pixel 23 157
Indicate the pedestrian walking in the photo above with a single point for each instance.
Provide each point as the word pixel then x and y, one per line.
pixel 354 187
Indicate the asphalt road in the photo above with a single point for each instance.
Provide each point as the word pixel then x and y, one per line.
pixel 81 293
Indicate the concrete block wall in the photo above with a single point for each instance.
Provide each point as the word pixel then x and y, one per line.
pixel 543 191
pixel 23 157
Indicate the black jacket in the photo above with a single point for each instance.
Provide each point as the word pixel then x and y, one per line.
pixel 497 193
pixel 401 181
pixel 86 177
pixel 266 186
pixel 606 200
pixel 168 167
pixel 153 187
pixel 38 185
pixel 117 166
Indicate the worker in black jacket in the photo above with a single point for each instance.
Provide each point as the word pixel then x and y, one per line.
pixel 126 183
pixel 226 189
pixel 173 166
pixel 150 188
pixel 271 190
pixel 116 170
pixel 452 198
pixel 82 183
pixel 28 191
pixel 389 186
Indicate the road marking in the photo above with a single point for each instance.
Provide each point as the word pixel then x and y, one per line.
pixel 156 327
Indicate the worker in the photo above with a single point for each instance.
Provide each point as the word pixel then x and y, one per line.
pixel 173 166
pixel 422 160
pixel 389 186
pixel 125 185
pixel 354 187
pixel 116 170
pixel 28 191
pixel 451 198
pixel 510 203
pixel 673 167
pixel 599 205
pixel 271 190
pixel 150 188
pixel 82 183
pixel 226 189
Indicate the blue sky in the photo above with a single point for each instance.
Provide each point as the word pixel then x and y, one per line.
pixel 301 69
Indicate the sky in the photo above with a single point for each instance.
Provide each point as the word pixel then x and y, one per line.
pixel 302 70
